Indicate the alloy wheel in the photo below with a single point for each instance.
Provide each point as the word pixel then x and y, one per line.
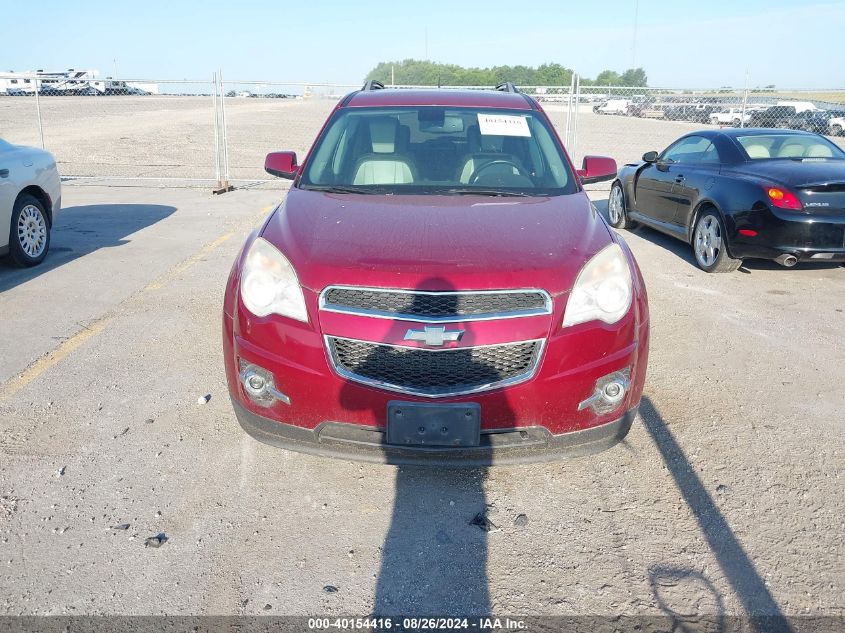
pixel 614 207
pixel 32 231
pixel 708 240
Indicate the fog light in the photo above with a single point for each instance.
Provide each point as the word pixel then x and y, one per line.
pixel 259 386
pixel 609 392
pixel 613 391
pixel 255 384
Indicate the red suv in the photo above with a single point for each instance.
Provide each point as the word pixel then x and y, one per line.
pixel 436 288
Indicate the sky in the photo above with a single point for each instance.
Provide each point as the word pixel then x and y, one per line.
pixel 680 43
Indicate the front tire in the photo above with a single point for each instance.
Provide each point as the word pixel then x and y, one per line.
pixel 617 214
pixel 836 130
pixel 29 233
pixel 709 244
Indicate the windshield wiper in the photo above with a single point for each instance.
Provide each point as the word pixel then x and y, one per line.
pixel 340 189
pixel 469 191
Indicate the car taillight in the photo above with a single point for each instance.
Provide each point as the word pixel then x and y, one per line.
pixel 783 198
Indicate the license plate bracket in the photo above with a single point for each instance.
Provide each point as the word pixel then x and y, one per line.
pixel 423 424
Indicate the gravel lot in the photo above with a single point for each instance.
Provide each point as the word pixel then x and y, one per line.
pixel 173 137
pixel 726 498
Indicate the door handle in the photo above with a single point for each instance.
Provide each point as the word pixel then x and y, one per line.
pixel 4 173
pixel 679 178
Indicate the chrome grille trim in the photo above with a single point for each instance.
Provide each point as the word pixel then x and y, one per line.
pixel 547 307
pixel 514 380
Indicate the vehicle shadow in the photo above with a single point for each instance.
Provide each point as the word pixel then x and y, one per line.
pixel 762 611
pixel 671 244
pixel 434 557
pixel 83 229
pixel 684 251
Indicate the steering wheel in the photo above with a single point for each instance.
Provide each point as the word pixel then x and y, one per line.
pixel 495 163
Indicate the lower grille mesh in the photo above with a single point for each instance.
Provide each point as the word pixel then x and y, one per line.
pixel 425 372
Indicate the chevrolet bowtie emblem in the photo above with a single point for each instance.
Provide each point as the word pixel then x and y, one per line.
pixel 434 336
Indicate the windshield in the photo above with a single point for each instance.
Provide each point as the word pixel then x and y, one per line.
pixel 438 150
pixel 763 146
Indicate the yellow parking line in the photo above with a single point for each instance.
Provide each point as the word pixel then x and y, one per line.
pixel 185 265
pixel 67 347
pixel 53 358
pixel 208 248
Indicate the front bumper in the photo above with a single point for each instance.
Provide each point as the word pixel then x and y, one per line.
pixel 516 446
pixel 533 420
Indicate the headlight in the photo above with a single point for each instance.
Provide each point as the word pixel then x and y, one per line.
pixel 602 290
pixel 269 284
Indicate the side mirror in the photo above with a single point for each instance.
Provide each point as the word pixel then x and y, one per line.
pixel 281 164
pixel 597 169
pixel 650 157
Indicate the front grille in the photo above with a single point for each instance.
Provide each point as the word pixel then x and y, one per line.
pixel 436 306
pixel 424 372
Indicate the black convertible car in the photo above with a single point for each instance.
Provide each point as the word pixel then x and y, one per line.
pixel 740 193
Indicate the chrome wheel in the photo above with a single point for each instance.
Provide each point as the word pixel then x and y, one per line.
pixel 32 231
pixel 614 206
pixel 707 241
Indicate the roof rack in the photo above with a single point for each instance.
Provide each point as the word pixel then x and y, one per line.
pixel 507 87
pixel 372 84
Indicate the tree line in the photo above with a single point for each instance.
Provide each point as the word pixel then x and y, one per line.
pixel 427 73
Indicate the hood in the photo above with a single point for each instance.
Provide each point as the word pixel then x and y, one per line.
pixel 462 242
pixel 794 173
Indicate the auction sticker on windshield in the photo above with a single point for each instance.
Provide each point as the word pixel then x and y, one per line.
pixel 503 125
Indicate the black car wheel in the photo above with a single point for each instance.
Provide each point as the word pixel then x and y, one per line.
pixel 836 130
pixel 617 214
pixel 709 245
pixel 29 233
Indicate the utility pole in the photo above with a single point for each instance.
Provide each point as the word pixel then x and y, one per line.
pixel 426 43
pixel 634 42
pixel 38 111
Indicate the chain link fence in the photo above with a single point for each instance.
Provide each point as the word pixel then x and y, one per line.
pixel 216 132
pixel 625 122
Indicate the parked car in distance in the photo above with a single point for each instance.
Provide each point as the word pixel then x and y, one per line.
pixel 434 266
pixel 800 106
pixel 30 199
pixel 730 116
pixel 817 121
pixel 740 193
pixel 612 106
pixel 697 112
pixel 645 108
pixel 779 116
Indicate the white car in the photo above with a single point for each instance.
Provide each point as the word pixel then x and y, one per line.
pixel 730 116
pixel 30 199
pixel 837 126
pixel 613 106
pixel 800 106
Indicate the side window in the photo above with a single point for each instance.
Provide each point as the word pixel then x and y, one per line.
pixel 687 150
pixel 557 174
pixel 710 156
